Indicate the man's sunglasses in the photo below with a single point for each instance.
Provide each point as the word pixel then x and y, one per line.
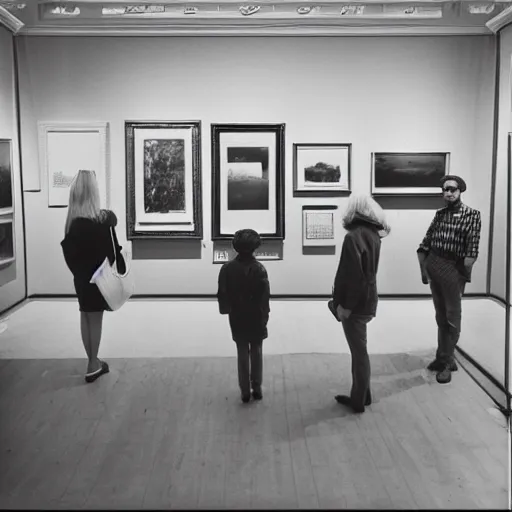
pixel 450 189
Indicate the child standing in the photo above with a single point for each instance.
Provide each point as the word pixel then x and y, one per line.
pixel 244 295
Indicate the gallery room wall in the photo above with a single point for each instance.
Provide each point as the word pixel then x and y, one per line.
pixel 380 94
pixel 12 277
pixel 497 282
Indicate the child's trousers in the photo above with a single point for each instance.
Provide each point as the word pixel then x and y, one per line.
pixel 250 365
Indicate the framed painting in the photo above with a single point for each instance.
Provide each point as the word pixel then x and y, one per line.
pixel 163 177
pixel 6 187
pixel 408 173
pixel 248 180
pixel 7 255
pixel 321 169
pixel 318 225
pixel 64 149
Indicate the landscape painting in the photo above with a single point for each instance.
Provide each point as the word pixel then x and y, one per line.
pixel 6 241
pixel 5 177
pixel 163 180
pixel 321 169
pixel 164 176
pixel 408 173
pixel 248 178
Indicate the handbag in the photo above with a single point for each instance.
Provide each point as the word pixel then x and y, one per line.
pixel 115 287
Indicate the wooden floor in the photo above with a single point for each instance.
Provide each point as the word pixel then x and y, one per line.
pixel 172 433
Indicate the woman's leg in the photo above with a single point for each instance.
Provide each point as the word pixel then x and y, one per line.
pixel 84 330
pixel 355 332
pixel 95 326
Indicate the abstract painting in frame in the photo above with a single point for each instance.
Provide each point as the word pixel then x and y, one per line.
pixel 64 149
pixel 6 188
pixel 321 169
pixel 248 180
pixel 163 176
pixel 408 173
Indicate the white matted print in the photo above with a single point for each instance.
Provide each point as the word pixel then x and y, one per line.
pixel 248 180
pixel 322 168
pixel 318 226
pixel 64 149
pixel 163 179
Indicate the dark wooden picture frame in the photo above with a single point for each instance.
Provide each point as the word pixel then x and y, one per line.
pixel 265 140
pixel 187 224
pixel 321 165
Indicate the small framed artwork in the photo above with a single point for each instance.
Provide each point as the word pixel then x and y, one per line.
pixel 64 149
pixel 6 241
pixel 248 180
pixel 6 189
pixel 408 173
pixel 321 169
pixel 163 180
pixel 318 225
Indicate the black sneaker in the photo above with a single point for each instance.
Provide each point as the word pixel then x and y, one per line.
pixel 246 398
pixel 453 366
pixel 257 394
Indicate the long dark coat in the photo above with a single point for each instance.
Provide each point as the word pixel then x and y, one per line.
pixel 355 284
pixel 244 294
pixel 85 247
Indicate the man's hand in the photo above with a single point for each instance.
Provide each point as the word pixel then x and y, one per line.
pixel 342 313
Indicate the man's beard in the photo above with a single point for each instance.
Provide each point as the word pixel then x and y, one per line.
pixel 452 204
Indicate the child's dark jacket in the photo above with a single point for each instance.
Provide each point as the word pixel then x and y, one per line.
pixel 244 294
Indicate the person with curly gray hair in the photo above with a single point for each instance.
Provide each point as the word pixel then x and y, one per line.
pixel 244 295
pixel 355 297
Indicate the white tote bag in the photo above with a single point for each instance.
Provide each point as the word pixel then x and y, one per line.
pixel 116 288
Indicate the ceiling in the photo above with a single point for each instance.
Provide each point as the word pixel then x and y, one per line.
pixel 256 17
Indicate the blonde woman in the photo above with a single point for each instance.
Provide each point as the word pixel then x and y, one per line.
pixel 86 244
pixel 355 289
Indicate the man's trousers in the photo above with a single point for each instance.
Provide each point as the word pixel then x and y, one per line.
pixel 447 285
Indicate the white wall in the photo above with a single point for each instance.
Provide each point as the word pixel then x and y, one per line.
pixel 380 94
pixel 12 278
pixel 497 282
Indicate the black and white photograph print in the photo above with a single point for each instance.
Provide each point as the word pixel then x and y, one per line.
pixel 5 177
pixel 408 173
pixel 321 169
pixel 248 180
pixel 248 185
pixel 6 241
pixel 164 175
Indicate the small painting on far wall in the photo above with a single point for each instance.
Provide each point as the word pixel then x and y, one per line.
pixel 248 178
pixel 321 169
pixel 6 241
pixel 408 173
pixel 5 177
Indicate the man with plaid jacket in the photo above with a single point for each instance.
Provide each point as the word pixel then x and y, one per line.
pixel 447 255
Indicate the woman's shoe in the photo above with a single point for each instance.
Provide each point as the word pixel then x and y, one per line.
pixel 91 377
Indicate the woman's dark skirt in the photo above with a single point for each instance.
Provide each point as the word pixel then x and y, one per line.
pixel 89 296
